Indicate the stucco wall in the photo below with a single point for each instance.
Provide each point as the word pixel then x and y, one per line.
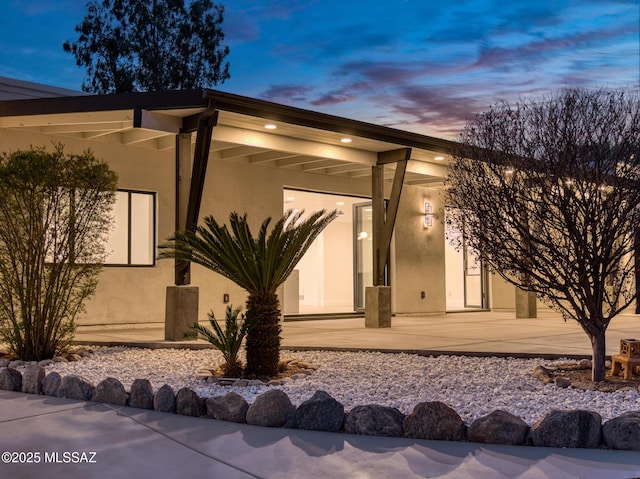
pixel 124 294
pixel 137 294
pixel 419 254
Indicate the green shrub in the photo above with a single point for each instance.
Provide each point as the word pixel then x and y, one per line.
pixel 227 341
pixel 55 214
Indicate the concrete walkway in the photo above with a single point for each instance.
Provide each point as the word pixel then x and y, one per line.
pixel 472 333
pixel 73 439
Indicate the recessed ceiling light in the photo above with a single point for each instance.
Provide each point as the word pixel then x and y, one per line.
pixel 340 203
pixel 290 199
pixel 346 140
pixel 270 126
pixel 439 158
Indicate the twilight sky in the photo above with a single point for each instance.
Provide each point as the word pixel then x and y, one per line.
pixel 419 65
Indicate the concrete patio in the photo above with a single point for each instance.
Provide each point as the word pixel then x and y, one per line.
pixel 482 333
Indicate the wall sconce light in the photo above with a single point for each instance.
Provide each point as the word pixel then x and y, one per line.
pixel 428 215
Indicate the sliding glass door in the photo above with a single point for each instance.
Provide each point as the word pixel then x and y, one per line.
pixel 363 248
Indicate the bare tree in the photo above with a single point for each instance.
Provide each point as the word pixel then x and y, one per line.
pixel 55 213
pixel 548 194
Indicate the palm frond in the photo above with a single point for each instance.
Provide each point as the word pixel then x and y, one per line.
pixel 257 264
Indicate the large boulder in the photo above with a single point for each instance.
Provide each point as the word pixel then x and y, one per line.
pixel 51 384
pixel 164 400
pixel 374 420
pixel 231 407
pixel 32 377
pixel 188 403
pixel 10 380
pixel 110 391
pixel 141 394
pixel 571 429
pixel 434 420
pixel 271 409
pixel 623 432
pixel 321 412
pixel 498 427
pixel 75 387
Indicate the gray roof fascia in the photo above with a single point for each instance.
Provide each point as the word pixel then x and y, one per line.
pixel 96 103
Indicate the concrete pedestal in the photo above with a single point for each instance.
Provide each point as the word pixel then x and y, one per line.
pixel 526 306
pixel 377 307
pixel 181 312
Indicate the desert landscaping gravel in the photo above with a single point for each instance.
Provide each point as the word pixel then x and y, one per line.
pixel 472 386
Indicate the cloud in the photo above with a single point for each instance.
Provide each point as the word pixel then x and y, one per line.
pixel 286 93
pixel 505 57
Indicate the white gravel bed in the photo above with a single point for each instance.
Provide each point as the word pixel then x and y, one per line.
pixel 472 386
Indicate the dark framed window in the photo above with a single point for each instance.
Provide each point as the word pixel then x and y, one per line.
pixel 132 240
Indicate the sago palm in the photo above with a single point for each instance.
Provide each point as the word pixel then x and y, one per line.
pixel 258 265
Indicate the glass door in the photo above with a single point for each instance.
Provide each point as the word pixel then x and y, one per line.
pixel 473 279
pixel 465 277
pixel 363 251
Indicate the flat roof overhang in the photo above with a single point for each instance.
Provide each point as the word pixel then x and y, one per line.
pixel 304 140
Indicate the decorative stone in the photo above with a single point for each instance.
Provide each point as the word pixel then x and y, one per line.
pixel 4 363
pixel 51 384
pixel 141 394
pixel 75 387
pixel 60 359
pixel 32 377
pixel 164 400
pixel 241 383
pixel 83 352
pixel 110 391
pixel 623 432
pixel 543 374
pixel 562 382
pixel 321 412
pixel 498 427
pixel 231 407
pixel 271 409
pixel 434 420
pixel 73 357
pixel 45 362
pixel 577 428
pixel 584 364
pixel 188 403
pixel 374 420
pixel 18 363
pixel 10 380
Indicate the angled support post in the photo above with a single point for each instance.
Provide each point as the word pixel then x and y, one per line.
pixel 378 296
pixel 181 309
pixel 384 221
pixel 188 219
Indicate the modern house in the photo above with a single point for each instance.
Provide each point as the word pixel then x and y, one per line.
pixel 183 155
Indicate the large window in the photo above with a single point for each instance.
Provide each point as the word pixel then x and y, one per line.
pixel 331 276
pixel 132 241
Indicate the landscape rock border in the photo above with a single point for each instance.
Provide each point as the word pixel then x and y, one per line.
pixel 429 420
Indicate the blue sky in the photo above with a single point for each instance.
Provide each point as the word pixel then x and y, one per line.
pixel 419 65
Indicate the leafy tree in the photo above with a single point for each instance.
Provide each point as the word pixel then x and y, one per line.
pixel 150 45
pixel 258 265
pixel 55 210
pixel 548 193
